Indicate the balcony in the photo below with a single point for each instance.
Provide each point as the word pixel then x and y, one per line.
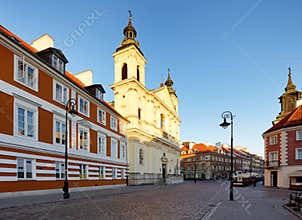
pixel 272 164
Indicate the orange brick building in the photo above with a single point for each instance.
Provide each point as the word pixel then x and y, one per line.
pixel 283 142
pixel 34 87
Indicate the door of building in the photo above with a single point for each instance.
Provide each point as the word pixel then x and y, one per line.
pixel 164 168
pixel 274 178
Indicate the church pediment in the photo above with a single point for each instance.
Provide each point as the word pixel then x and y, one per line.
pixel 163 94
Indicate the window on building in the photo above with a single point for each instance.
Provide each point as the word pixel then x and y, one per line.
pixel 102 172
pixel 57 63
pixel 299 154
pixel 273 156
pixel 25 73
pixel 83 106
pixel 25 168
pixel 60 170
pixel 123 150
pixel 26 121
pixel 113 148
pixel 83 171
pixel 113 123
pixel 84 138
pixel 141 156
pixel 98 94
pixel 102 144
pixel 162 121
pixel 139 113
pixel 123 173
pixel 113 173
pixel 273 140
pixel 60 128
pixel 122 128
pixel 124 71
pixel 102 116
pixel 298 135
pixel 61 93
pixel 137 73
pixel 299 179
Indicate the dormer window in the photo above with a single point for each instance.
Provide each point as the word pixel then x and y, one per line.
pixel 99 95
pixel 54 57
pixel 57 63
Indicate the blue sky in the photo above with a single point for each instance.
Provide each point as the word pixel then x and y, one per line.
pixel 223 55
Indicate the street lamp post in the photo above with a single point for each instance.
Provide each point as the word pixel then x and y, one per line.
pixel 195 173
pixel 69 108
pixel 225 124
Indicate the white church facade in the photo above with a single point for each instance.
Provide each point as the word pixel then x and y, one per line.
pixel 154 128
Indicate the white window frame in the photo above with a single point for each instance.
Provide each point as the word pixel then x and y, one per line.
pixel 111 148
pixel 99 95
pixel 101 135
pixel 57 118
pixel 83 175
pixel 102 172
pixel 273 140
pixel 123 150
pixel 88 137
pixel 114 173
pixel 272 153
pixel 59 63
pixel 61 170
pixel 79 106
pixel 103 119
pixel 299 135
pixel 33 168
pixel 113 123
pixel 27 107
pixel 296 153
pixel 62 101
pixel 25 72
pixel 123 173
pixel 122 128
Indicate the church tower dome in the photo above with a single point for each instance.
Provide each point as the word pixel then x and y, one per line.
pixel 129 35
pixel 288 99
pixel 169 83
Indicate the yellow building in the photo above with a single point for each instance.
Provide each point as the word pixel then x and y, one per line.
pixel 153 131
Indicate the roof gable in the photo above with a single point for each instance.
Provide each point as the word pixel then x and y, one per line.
pixel 292 119
pixel 164 96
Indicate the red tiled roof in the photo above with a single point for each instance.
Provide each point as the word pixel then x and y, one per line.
pixel 204 148
pixel 74 79
pixel 33 50
pixel 26 45
pixel 292 119
pixel 184 148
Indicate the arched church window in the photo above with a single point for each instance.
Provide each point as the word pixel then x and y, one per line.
pixel 137 73
pixel 124 71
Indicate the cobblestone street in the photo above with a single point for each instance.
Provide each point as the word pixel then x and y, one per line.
pixel 204 200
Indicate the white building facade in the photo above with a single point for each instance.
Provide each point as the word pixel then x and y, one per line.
pixel 153 131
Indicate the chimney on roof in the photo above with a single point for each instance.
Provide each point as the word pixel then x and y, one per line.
pixel 85 77
pixel 43 42
pixel 298 102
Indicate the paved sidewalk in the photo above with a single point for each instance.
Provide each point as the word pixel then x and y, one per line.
pixel 204 200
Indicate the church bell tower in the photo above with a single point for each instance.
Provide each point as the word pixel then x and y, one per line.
pixel 288 99
pixel 129 61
